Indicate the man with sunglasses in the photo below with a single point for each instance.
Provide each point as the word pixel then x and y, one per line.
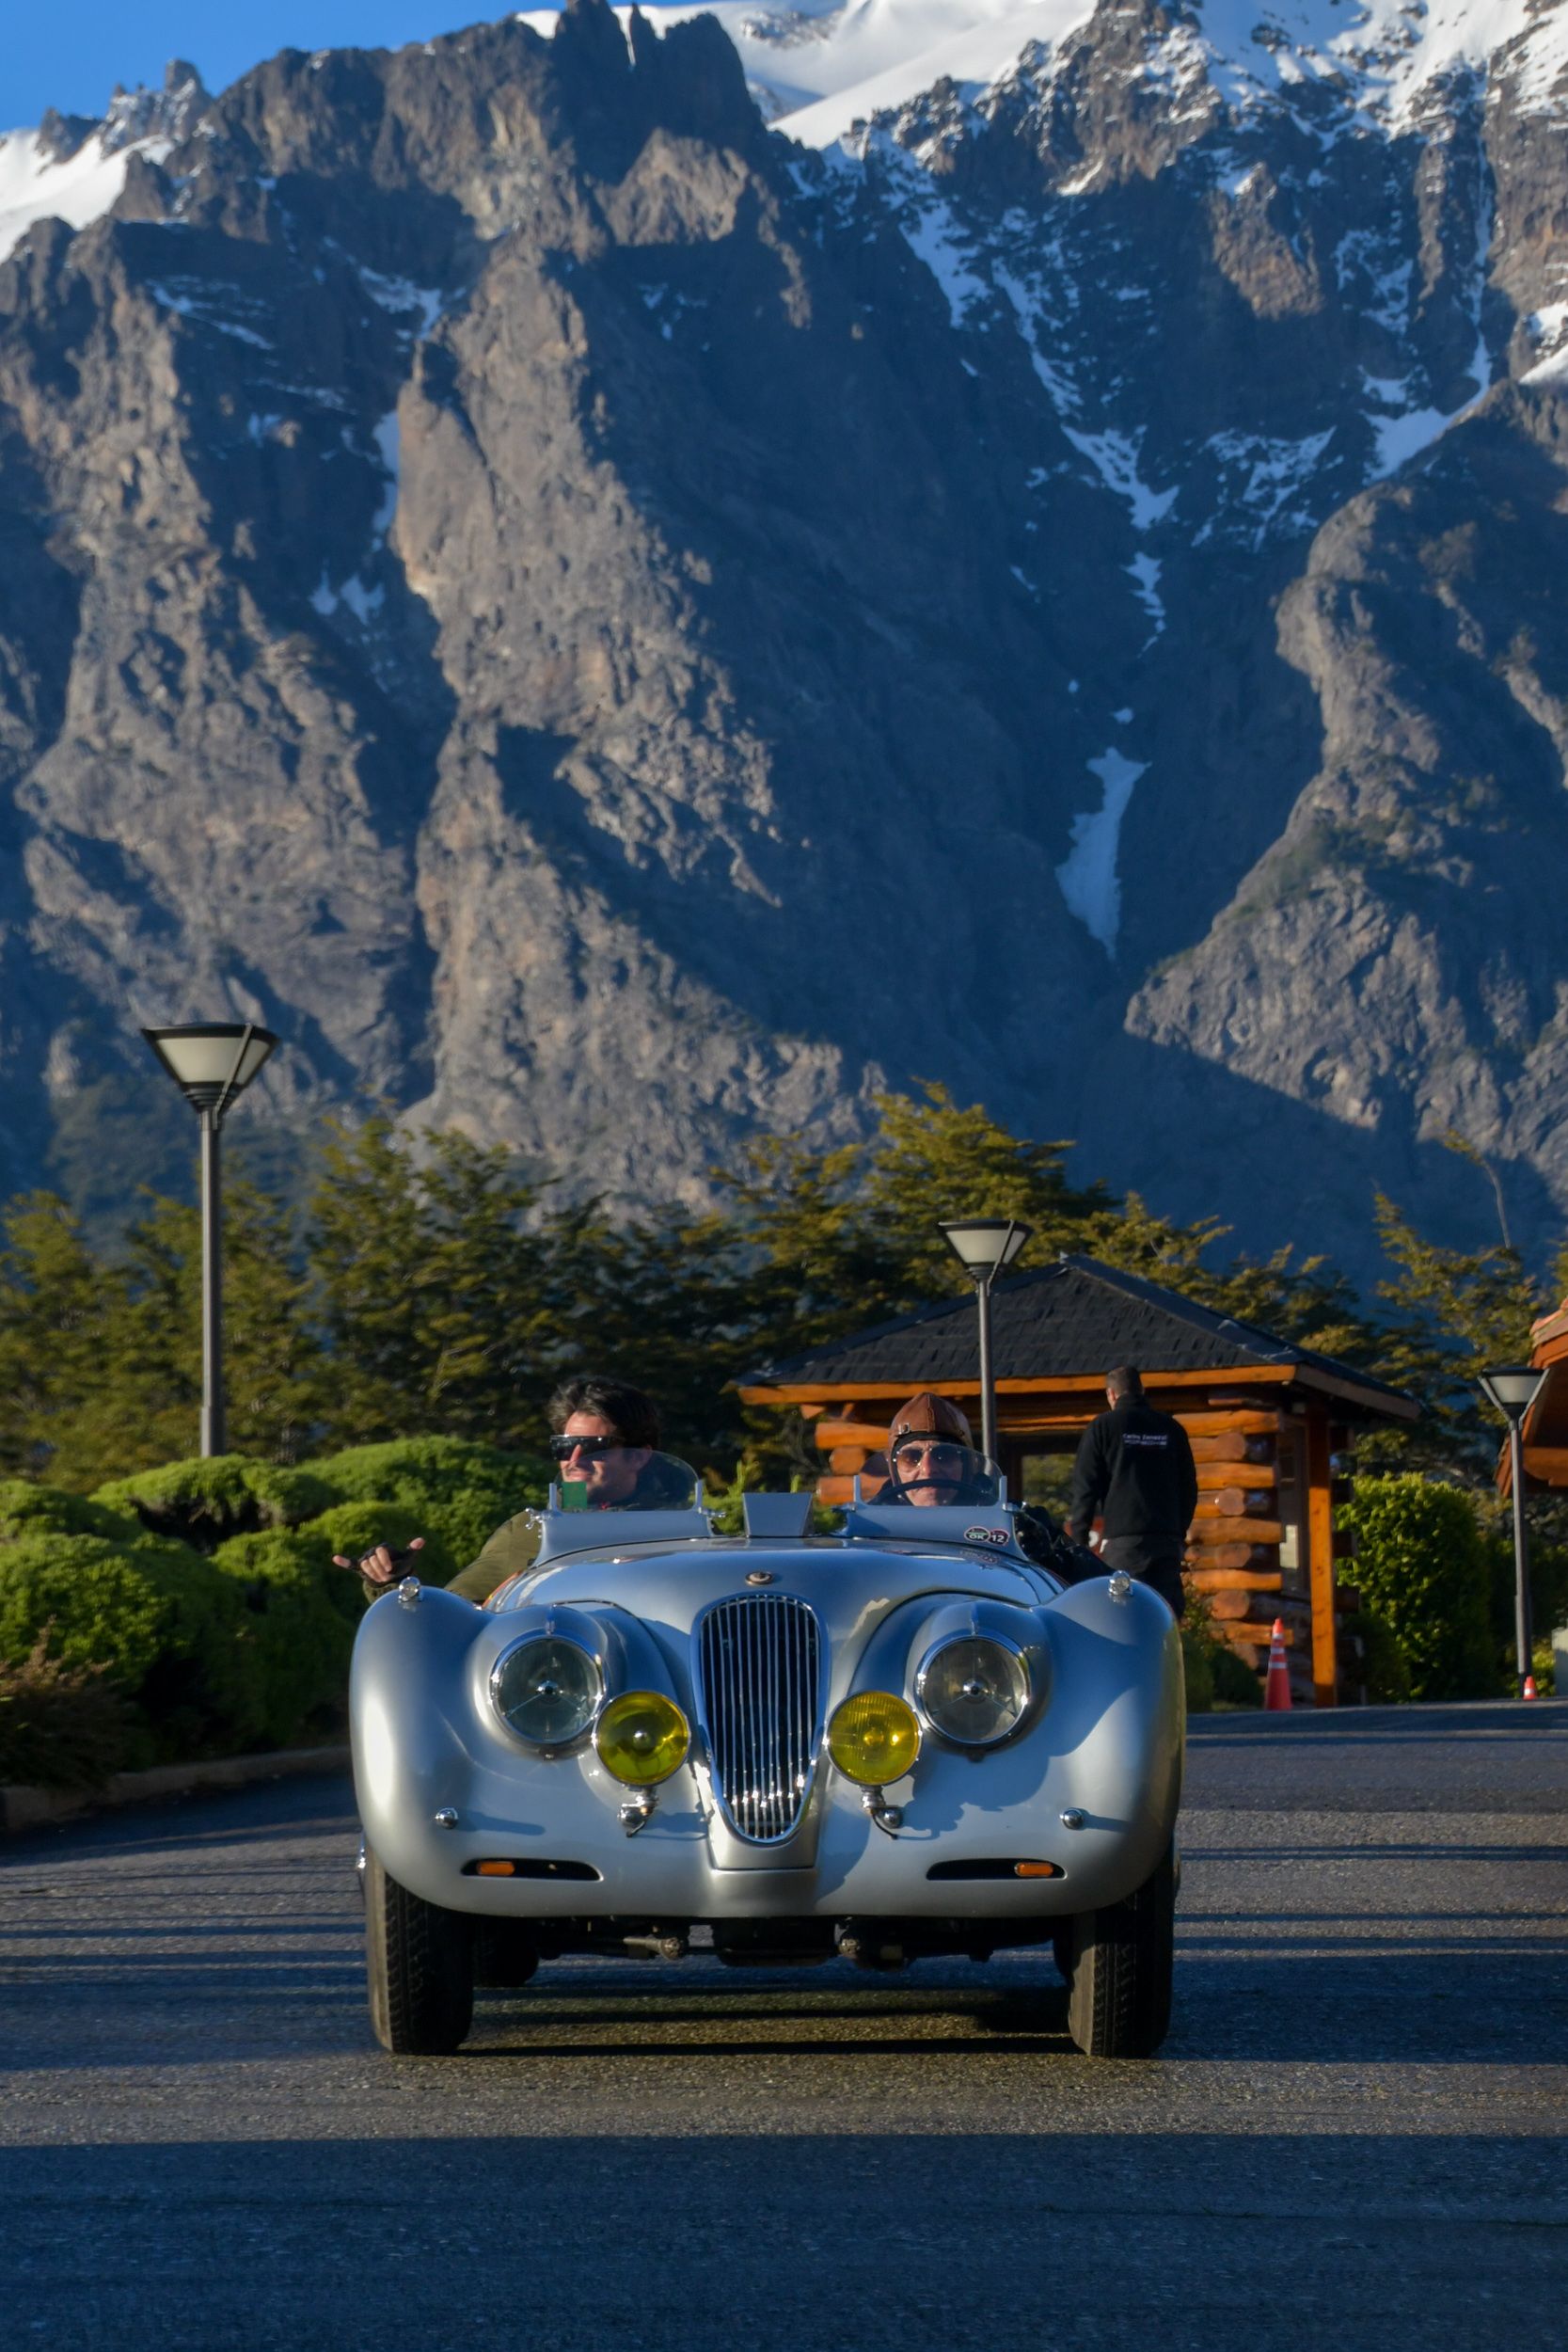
pixel 931 1459
pixel 605 1438
pixel 932 1462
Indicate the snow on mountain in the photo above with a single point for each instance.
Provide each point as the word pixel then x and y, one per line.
pixel 74 170
pixel 817 70
pixel 36 185
pixel 1385 55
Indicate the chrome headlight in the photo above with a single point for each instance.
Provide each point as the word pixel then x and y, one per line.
pixel 547 1689
pixel 974 1689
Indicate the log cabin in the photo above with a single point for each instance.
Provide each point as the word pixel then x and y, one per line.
pixel 1270 1423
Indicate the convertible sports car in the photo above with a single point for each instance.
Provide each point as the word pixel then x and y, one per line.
pixel 899 1741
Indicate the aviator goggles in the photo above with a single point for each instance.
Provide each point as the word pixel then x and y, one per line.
pixel 943 1463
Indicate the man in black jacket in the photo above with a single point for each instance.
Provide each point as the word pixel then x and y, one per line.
pixel 1134 1470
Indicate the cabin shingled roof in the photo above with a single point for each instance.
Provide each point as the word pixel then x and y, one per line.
pixel 1075 1318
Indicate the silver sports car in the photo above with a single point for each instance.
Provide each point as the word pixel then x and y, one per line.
pixel 899 1741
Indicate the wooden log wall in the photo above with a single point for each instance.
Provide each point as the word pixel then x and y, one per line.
pixel 1233 1544
pixel 851 1446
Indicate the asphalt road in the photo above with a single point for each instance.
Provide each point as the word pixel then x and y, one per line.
pixel 1355 2136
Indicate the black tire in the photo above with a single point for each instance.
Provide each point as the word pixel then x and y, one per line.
pixel 420 1962
pixel 1119 1981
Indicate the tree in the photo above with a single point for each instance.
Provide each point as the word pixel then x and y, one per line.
pixel 55 1301
pixel 1454 1313
pixel 431 1283
pixel 100 1358
pixel 932 1161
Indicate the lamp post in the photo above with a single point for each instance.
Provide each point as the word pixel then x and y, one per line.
pixel 211 1062
pixel 1512 1389
pixel 983 1245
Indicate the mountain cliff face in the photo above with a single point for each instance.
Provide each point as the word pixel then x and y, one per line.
pixel 610 626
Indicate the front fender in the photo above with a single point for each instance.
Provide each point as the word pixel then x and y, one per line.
pixel 427 1740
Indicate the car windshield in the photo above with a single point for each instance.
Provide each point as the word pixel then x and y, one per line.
pixel 600 1475
pixel 930 1473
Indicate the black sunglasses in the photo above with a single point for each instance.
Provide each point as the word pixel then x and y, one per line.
pixel 562 1449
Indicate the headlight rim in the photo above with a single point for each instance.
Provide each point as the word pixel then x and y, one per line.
pixel 953 1738
pixel 547 1748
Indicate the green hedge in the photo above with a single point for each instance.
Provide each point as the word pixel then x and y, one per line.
pixel 194 1608
pixel 1384 1666
pixel 1422 1569
pixel 26 1509
pixel 204 1503
pixel 154 1615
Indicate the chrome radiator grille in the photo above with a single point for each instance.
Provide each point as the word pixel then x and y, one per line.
pixel 758 1671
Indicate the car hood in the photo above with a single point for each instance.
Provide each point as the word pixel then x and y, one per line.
pixel 851 1586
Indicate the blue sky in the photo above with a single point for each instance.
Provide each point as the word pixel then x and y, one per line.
pixel 70 54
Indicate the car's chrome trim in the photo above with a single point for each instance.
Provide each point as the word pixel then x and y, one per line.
pixel 758 1679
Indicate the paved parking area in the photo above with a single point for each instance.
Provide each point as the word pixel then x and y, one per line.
pixel 1356 2132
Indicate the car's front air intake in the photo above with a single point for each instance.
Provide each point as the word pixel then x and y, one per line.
pixel 758 1671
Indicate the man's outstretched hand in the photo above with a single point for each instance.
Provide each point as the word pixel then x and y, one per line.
pixel 381 1564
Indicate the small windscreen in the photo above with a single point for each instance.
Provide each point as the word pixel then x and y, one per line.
pixel 928 1472
pixel 601 1476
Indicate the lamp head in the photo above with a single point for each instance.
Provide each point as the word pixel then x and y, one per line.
pixel 984 1244
pixel 212 1061
pixel 1511 1388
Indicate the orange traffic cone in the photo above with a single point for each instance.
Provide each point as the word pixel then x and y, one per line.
pixel 1528 1691
pixel 1277 1688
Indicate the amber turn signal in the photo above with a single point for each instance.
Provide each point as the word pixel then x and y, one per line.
pixel 1036 1870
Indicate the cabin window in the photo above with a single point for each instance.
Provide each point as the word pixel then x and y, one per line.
pixel 1293 1510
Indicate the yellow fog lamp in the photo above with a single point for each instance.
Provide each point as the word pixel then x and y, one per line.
pixel 641 1737
pixel 873 1738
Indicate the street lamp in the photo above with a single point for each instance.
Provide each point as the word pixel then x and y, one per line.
pixel 211 1062
pixel 983 1245
pixel 1512 1389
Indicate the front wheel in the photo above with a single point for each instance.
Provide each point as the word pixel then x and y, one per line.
pixel 1119 1966
pixel 420 1962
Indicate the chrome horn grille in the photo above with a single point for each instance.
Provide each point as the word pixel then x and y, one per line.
pixel 758 1675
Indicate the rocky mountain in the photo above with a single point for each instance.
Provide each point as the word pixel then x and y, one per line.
pixel 611 622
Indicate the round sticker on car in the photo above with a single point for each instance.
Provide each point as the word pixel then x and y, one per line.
pixel 985 1534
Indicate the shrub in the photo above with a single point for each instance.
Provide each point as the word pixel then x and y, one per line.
pixel 26 1509
pixel 1215 1675
pixel 60 1726
pixel 204 1503
pixel 1198 1655
pixel 164 1628
pixel 1383 1669
pixel 300 1613
pixel 1235 1682
pixel 458 1491
pixel 1421 1565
